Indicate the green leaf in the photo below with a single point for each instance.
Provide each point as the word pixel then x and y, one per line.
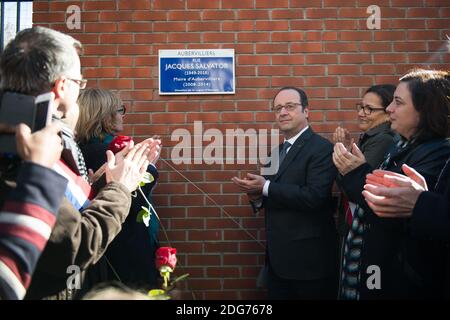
pixel 158 294
pixel 182 277
pixel 147 178
pixel 143 216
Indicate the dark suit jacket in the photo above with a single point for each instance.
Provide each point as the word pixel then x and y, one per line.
pixel 301 233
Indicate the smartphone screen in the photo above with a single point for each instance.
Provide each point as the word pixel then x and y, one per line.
pixel 41 115
pixel 14 109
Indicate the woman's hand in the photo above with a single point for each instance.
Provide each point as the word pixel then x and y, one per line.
pixel 346 161
pixel 342 135
pixel 155 149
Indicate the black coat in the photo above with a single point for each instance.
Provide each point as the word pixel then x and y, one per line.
pixel 431 220
pixel 411 267
pixel 300 230
pixel 132 252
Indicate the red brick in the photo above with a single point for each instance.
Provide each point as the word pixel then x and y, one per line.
pixel 138 4
pixel 287 14
pixel 253 15
pixel 343 69
pixel 287 36
pixel 165 118
pixel 135 27
pixel 423 13
pixel 116 38
pixel 99 5
pixel 303 4
pixel 100 73
pixel 341 24
pixel 307 25
pixel 320 13
pixel 135 50
pixel 238 26
pixel 306 47
pixel 218 15
pixel 341 47
pixel 321 58
pixel 215 235
pixel 143 15
pixel 321 81
pixel 135 72
pixel 355 81
pixel 169 26
pixel 203 26
pixel 184 37
pixel 410 46
pixel 274 70
pixel 237 4
pixel 272 25
pixel 271 48
pixel 218 37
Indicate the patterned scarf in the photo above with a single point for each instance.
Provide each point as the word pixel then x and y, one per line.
pixel 72 153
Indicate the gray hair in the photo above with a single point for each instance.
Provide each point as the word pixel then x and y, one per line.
pixel 35 59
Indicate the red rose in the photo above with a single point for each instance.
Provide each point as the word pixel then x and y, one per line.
pixel 118 143
pixel 166 256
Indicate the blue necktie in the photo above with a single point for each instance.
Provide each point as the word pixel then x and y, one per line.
pixel 283 152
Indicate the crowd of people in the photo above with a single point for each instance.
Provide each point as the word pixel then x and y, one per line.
pixel 68 198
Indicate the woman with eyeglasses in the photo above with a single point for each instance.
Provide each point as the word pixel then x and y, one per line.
pixel 374 141
pixel 374 123
pixel 382 258
pixel 130 258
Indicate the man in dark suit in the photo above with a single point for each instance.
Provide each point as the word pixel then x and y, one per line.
pixel 301 235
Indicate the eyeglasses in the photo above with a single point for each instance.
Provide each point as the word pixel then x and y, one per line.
pixel 288 106
pixel 122 110
pixel 81 82
pixel 366 108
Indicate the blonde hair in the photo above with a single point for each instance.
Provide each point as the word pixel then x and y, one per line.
pixel 98 109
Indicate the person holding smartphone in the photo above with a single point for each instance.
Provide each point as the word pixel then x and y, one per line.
pixel 87 221
pixel 30 208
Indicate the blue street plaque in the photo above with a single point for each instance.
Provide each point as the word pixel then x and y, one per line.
pixel 196 71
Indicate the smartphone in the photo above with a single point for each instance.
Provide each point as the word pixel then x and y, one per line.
pixel 43 110
pixel 15 108
pixel 18 108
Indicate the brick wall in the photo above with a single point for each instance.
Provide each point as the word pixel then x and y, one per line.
pixel 323 46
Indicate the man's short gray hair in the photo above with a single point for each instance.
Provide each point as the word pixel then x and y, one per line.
pixel 35 59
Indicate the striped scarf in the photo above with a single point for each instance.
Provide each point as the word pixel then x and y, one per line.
pixel 78 190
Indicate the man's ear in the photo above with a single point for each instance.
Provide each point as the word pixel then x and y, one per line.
pixel 59 88
pixel 306 112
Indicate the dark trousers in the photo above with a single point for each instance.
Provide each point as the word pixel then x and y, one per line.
pixel 286 289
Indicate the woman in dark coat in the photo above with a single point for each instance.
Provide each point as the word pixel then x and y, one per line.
pixel 382 259
pixel 130 258
pixel 377 137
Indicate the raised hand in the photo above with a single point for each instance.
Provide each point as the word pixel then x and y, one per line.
pixel 43 147
pixel 128 169
pixel 346 161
